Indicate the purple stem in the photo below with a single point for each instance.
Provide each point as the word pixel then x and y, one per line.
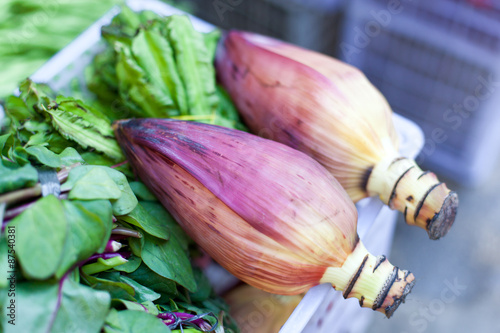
pixel 112 246
pixel 106 256
pixel 119 164
pixel 13 212
pixel 170 318
pixel 59 299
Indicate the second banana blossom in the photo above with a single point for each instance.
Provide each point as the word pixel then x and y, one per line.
pixel 330 111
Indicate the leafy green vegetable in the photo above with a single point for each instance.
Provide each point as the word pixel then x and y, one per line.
pixel 68 157
pixel 121 206
pixel 14 178
pixel 95 184
pixel 66 232
pixel 116 289
pixel 87 131
pixel 81 307
pixel 142 192
pixel 140 217
pixel 168 259
pixel 158 283
pixel 40 256
pixel 89 228
pixel 129 321
pixel 131 265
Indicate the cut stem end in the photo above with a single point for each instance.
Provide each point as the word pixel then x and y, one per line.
pixel 374 281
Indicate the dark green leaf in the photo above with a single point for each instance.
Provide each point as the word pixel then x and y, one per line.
pixel 41 233
pixel 68 157
pixel 141 218
pixel 168 259
pixel 142 293
pixel 135 245
pixel 142 192
pixel 203 290
pixel 158 283
pixel 161 214
pixel 117 290
pixel 129 321
pixel 131 265
pixel 15 178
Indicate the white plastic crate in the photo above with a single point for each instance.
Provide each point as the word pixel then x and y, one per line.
pixel 429 59
pixel 322 310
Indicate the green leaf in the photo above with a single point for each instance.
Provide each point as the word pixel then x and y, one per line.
pixel 127 201
pixel 131 265
pixel 41 233
pixel 141 218
pixel 151 308
pixel 142 192
pixel 117 290
pixel 194 64
pixel 88 132
pixel 68 157
pixel 142 293
pixel 152 52
pixel 161 214
pixel 89 227
pixel 158 283
pixel 168 259
pixel 129 305
pixel 95 184
pixel 135 245
pixel 81 308
pixel 142 98
pixel 204 288
pixel 129 321
pixel 15 178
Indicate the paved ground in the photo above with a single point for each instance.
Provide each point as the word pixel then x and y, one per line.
pixel 458 277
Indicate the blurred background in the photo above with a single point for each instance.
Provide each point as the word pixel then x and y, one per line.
pixel 437 63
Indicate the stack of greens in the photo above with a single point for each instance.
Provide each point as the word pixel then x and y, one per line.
pixel 162 68
pixel 99 253
pixel 104 247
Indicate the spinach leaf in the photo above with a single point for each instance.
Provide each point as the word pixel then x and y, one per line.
pixel 89 227
pixel 168 259
pixel 17 177
pixel 142 192
pixel 41 233
pixel 130 321
pixel 95 184
pixel 141 218
pixel 127 201
pixel 46 157
pixel 158 283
